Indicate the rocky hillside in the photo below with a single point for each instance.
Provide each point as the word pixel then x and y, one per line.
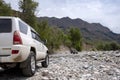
pixel 90 31
pixel 81 66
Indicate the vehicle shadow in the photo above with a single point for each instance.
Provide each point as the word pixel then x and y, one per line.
pixel 10 74
pixel 14 74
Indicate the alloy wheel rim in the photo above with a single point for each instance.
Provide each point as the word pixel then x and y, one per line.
pixel 33 64
pixel 47 60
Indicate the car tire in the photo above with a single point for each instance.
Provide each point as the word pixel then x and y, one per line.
pixel 30 65
pixel 46 62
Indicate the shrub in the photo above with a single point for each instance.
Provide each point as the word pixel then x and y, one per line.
pixel 108 46
pixel 76 38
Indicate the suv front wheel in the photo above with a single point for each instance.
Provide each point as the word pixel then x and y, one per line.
pixel 30 67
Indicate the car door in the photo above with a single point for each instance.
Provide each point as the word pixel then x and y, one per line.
pixel 38 44
pixel 40 47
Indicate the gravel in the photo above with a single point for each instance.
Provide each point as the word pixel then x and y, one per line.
pixel 102 65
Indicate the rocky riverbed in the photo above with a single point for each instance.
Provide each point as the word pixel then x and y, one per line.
pixel 103 65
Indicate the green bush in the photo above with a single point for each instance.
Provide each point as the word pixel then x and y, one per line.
pixel 53 35
pixel 108 46
pixel 56 37
pixel 76 38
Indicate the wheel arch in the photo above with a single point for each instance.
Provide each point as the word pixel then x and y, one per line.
pixel 33 49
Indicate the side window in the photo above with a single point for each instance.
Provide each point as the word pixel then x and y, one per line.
pixel 23 27
pixel 35 36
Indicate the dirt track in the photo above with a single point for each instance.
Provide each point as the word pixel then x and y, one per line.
pixel 81 66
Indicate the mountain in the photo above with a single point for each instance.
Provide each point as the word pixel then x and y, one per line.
pixel 90 31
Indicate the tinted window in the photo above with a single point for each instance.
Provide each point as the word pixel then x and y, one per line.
pixel 23 27
pixel 38 38
pixel 5 25
pixel 35 36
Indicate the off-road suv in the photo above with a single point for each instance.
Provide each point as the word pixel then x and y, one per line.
pixel 21 45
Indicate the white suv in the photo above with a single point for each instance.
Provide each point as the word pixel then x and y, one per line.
pixel 20 45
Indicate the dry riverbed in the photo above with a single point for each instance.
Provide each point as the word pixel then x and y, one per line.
pixel 81 66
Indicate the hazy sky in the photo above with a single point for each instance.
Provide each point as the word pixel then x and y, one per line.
pixel 106 12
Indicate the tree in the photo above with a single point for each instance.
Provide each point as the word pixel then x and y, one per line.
pixel 76 38
pixel 28 8
pixel 51 34
pixel 5 9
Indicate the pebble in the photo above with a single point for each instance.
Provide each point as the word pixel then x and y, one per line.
pixel 100 65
